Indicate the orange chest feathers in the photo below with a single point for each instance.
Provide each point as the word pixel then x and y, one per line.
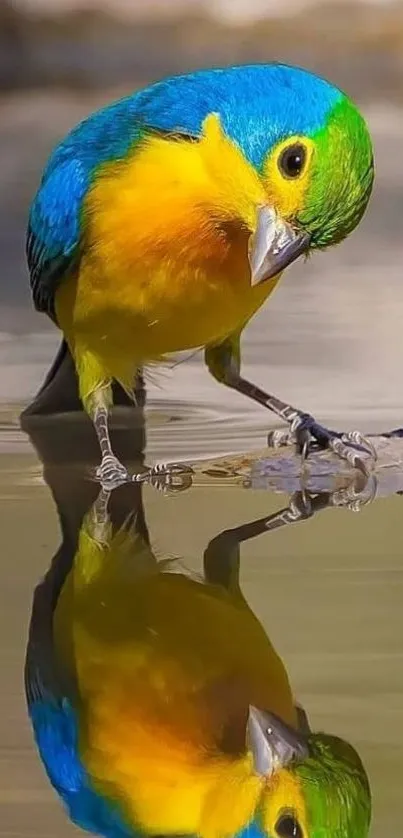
pixel 167 251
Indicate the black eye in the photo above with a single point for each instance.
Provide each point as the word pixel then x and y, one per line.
pixel 287 826
pixel 292 160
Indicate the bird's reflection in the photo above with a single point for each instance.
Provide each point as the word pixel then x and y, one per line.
pixel 158 703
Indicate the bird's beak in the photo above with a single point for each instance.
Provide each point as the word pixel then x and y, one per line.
pixel 273 743
pixel 274 245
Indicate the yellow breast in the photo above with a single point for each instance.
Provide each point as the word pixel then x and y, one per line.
pixel 166 267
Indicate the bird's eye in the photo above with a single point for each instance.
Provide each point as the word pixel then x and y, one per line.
pixel 292 160
pixel 287 826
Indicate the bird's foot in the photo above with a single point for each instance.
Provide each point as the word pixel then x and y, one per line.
pixel 112 473
pixel 307 435
pixel 167 478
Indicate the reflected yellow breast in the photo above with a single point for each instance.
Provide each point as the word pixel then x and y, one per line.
pixel 166 668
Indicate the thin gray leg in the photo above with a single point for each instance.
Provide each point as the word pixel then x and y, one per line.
pixel 223 362
pixel 169 477
pixel 111 473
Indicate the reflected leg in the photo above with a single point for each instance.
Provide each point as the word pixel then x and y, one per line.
pixel 222 554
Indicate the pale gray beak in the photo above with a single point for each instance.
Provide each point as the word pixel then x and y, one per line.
pixel 273 743
pixel 274 245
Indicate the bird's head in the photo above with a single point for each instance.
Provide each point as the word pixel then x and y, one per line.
pixel 315 785
pixel 308 167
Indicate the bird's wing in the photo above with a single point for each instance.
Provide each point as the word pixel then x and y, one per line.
pixel 53 236
pixel 57 216
pixel 53 716
pixel 49 706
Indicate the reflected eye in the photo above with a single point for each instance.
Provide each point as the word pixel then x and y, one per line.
pixel 292 160
pixel 287 826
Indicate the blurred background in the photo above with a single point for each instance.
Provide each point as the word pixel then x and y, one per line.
pixel 331 337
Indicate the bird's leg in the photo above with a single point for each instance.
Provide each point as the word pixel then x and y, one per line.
pixel 111 473
pixel 223 362
pixel 166 477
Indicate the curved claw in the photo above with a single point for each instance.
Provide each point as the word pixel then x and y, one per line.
pixel 304 445
pixel 177 468
pixel 301 505
pixel 349 454
pixel 357 438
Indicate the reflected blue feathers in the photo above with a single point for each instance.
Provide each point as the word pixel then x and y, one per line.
pixel 56 736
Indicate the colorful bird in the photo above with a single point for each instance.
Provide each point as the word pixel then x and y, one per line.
pixel 160 706
pixel 164 221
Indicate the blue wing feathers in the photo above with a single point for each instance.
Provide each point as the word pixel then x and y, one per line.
pixel 55 223
pixel 54 230
pixel 56 734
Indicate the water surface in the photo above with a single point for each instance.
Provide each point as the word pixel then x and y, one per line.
pixel 327 588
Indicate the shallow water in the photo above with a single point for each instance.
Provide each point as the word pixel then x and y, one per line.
pixel 325 583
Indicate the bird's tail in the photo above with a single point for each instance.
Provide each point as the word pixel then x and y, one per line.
pixel 59 392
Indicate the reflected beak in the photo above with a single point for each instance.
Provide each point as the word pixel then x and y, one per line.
pixel 274 245
pixel 273 743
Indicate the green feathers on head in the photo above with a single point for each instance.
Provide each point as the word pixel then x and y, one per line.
pixel 341 183
pixel 336 789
